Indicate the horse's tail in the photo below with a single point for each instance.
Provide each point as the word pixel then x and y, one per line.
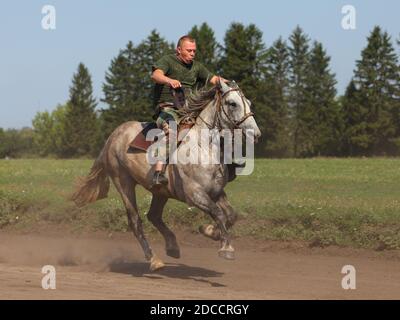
pixel 94 186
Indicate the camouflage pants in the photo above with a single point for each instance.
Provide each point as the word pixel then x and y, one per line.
pixel 166 115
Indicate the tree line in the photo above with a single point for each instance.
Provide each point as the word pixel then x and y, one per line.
pixel 291 86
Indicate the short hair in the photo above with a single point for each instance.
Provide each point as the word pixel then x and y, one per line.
pixel 185 38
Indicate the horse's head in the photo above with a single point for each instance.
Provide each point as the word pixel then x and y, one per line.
pixel 235 109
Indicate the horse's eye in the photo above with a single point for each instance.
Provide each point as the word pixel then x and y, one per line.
pixel 232 104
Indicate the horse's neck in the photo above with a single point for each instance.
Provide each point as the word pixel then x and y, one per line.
pixel 206 117
pixel 204 121
pixel 208 169
pixel 205 140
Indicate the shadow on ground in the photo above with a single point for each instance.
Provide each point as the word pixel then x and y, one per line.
pixel 171 270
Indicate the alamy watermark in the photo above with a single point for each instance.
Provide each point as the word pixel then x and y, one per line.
pixel 349 280
pixel 349 18
pixel 204 146
pixel 49 279
pixel 49 17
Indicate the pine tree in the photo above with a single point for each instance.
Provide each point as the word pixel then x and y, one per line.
pixel 243 60
pixel 273 117
pixel 118 92
pixel 81 126
pixel 146 54
pixel 244 57
pixel 395 102
pixel 377 81
pixel 323 117
pixel 299 109
pixel 396 109
pixel 355 138
pixel 206 46
pixel 128 87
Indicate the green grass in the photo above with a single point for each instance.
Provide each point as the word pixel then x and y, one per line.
pixel 349 202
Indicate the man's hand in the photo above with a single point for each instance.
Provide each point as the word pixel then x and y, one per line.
pixel 216 79
pixel 174 83
pixel 158 76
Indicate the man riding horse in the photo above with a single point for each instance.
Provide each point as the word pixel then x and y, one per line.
pixel 222 108
pixel 176 75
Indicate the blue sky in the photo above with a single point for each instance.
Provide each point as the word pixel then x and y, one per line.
pixel 36 65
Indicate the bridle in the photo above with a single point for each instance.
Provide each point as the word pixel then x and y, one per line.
pixel 236 123
pixel 220 109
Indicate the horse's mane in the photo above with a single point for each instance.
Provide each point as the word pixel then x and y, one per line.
pixel 196 102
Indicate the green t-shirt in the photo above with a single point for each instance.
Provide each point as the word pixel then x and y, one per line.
pixel 190 76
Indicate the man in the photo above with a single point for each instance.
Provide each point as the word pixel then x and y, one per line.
pixel 177 71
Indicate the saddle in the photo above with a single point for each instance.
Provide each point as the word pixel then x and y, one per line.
pixel 179 100
pixel 140 142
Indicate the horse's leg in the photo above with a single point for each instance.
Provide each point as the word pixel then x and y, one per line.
pixel 231 213
pixel 125 185
pixel 155 217
pixel 202 201
pixel 212 231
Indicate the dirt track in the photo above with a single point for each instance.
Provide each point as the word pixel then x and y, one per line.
pixel 99 267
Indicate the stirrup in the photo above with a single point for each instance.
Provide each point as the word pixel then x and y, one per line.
pixel 159 179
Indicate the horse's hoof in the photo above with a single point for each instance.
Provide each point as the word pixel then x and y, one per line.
pixel 174 253
pixel 226 254
pixel 210 231
pixel 156 264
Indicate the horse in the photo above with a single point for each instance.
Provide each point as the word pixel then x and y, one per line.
pixel 198 185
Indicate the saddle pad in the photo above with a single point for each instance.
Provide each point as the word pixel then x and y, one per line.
pixel 140 141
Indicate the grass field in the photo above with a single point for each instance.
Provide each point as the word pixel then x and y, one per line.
pixel 349 202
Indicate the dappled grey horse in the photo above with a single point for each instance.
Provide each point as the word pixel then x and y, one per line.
pixel 198 184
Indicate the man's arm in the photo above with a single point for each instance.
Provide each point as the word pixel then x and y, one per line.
pixel 159 77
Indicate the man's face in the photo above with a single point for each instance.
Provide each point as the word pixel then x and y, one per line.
pixel 187 51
